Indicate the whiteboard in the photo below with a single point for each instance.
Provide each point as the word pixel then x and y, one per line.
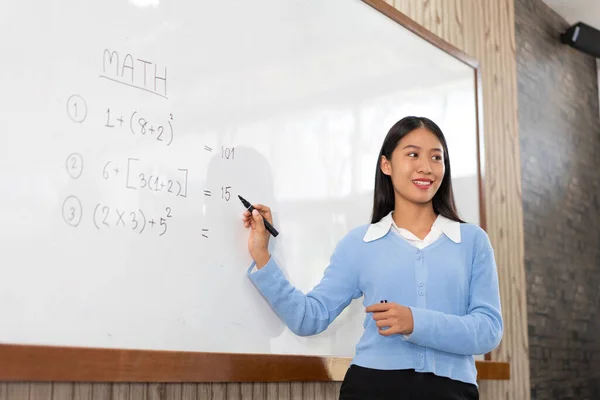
pixel 129 129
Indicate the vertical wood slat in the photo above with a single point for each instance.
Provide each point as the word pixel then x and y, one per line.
pixel 515 283
pixel 419 13
pixel 81 391
pixel 189 391
pixel 259 391
pixel 43 391
pixel 62 391
pixel 246 391
pixel 218 391
pixel 173 391
pixel 333 390
pixel 156 391
pixel 309 391
pixel 139 391
pixel 436 9
pixel 498 196
pixel 203 391
pixel 284 391
pixel 320 392
pixel 295 389
pixel 272 391
pixel 406 7
pixel 17 391
pixel 453 23
pixel 120 391
pixel 101 391
pixel 484 30
pixel 233 391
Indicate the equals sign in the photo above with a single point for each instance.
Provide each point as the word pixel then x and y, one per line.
pixel 203 233
pixel 207 148
pixel 207 193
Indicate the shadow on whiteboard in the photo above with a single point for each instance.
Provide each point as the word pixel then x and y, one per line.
pixel 241 307
pixel 249 324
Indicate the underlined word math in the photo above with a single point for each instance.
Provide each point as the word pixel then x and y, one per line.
pixel 134 72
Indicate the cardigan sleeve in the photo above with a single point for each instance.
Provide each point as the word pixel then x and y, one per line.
pixel 311 313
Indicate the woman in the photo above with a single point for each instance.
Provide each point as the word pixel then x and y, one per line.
pixel 429 280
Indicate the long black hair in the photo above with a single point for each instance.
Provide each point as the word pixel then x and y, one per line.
pixel 383 198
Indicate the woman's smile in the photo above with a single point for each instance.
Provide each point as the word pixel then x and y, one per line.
pixel 423 184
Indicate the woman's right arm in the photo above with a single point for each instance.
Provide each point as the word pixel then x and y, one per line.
pixel 305 314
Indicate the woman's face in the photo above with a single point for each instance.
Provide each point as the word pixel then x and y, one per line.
pixel 416 167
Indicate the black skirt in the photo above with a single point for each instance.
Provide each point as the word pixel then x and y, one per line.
pixel 407 384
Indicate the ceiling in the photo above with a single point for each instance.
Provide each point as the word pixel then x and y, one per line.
pixel 587 11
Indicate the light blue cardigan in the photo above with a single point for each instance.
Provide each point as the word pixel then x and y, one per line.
pixel 451 288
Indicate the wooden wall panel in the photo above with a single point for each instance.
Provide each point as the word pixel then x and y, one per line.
pixel 483 29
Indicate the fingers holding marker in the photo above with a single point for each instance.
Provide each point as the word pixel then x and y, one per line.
pixel 246 218
pixel 255 218
pixel 264 211
pixel 258 223
pixel 261 210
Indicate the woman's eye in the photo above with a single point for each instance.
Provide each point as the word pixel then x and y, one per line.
pixel 437 158
pixel 413 155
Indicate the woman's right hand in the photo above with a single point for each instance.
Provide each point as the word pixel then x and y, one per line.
pixel 258 241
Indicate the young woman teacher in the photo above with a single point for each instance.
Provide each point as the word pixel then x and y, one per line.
pixel 437 274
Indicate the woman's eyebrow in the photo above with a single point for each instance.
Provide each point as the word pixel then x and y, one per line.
pixel 412 146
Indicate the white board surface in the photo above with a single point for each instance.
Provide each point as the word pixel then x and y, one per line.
pixel 129 129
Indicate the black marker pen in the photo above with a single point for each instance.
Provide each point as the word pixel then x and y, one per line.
pixel 250 208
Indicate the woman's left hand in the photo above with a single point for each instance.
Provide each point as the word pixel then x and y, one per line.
pixel 392 318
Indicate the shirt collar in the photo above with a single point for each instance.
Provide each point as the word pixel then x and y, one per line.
pixel 449 227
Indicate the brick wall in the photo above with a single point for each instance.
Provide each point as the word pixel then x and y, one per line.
pixel 559 128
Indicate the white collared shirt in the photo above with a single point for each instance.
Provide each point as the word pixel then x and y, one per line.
pixel 442 225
